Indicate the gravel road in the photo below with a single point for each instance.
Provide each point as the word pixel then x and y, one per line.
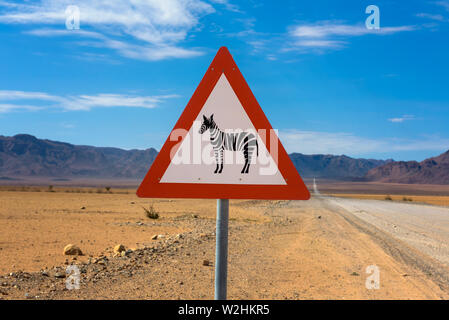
pixel 423 227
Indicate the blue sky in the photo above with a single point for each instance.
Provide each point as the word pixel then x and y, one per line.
pixel 324 80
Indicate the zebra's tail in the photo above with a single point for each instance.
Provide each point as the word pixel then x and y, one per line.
pixel 257 148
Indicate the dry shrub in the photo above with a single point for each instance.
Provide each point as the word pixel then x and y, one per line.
pixel 151 212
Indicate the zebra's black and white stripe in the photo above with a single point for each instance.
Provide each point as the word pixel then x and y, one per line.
pixel 239 141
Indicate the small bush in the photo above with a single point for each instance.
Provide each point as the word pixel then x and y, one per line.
pixel 50 189
pixel 388 197
pixel 151 212
pixel 108 189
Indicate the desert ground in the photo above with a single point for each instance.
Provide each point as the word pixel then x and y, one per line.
pixel 316 249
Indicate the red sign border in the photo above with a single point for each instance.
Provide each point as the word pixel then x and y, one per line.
pixel 151 187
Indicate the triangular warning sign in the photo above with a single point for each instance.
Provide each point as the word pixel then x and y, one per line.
pixel 223 146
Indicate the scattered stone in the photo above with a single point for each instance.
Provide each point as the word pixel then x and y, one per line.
pixel 72 250
pixel 319 217
pixel 83 208
pixel 206 263
pixel 154 237
pixel 59 275
pixel 355 274
pixel 119 248
pixel 195 216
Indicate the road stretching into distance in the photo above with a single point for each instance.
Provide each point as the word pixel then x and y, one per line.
pixel 411 233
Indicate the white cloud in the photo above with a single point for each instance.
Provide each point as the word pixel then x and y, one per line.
pixel 150 30
pixel 436 17
pixel 229 6
pixel 332 34
pixel 328 28
pixel 78 102
pixel 402 119
pixel 315 142
pixel 5 108
pixel 320 43
pixel 443 3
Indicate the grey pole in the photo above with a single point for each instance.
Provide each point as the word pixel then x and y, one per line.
pixel 221 250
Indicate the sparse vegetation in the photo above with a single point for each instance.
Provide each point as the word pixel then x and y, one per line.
pixel 50 188
pixel 108 189
pixel 151 213
pixel 407 199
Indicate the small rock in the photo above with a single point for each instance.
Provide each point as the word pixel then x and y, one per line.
pixel 59 275
pixel 72 250
pixel 319 217
pixel 154 237
pixel 206 263
pixel 83 208
pixel 203 235
pixel 119 248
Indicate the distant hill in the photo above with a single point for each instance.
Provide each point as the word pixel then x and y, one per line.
pixel 430 171
pixel 24 156
pixel 334 167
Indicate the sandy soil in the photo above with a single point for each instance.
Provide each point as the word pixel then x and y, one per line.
pixel 277 250
pixel 342 187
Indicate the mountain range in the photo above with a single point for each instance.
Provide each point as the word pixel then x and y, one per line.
pixel 24 155
pixel 430 171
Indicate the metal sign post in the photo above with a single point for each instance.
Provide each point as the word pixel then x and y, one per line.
pixel 221 250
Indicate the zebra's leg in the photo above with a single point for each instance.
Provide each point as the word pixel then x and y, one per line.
pixel 221 161
pixel 245 154
pixel 217 160
pixel 250 154
pixel 244 170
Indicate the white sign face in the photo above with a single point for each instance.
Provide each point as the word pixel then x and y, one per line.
pixel 235 155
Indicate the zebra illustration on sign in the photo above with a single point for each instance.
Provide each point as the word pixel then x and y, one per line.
pixel 239 141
